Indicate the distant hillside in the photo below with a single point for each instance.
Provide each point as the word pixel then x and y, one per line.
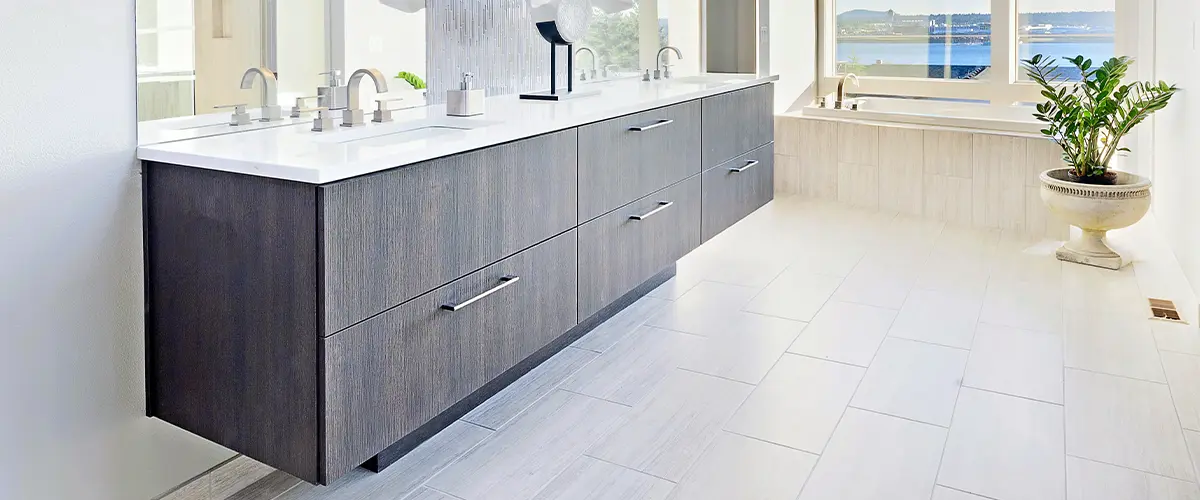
pixel 1093 19
pixel 866 16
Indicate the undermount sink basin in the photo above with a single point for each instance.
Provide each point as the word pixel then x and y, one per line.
pixel 391 133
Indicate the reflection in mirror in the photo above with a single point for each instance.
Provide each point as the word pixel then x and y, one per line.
pixel 191 54
pixel 626 36
pixel 388 35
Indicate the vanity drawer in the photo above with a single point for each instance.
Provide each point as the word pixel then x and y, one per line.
pixel 388 375
pixel 391 236
pixel 626 158
pixel 738 122
pixel 618 252
pixel 736 189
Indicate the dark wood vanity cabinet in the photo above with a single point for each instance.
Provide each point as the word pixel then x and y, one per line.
pixel 737 122
pixel 736 188
pixel 619 250
pixel 319 327
pixel 626 158
pixel 390 374
pixel 397 234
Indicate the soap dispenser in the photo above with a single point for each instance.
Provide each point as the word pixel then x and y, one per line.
pixel 465 101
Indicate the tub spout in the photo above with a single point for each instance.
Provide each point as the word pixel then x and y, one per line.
pixel 840 100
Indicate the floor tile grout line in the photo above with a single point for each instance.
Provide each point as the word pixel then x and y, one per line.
pixel 425 483
pixel 910 419
pixel 935 486
pixel 284 492
pixel 824 359
pixel 593 397
pixel 630 331
pixel 593 457
pixel 727 379
pixel 1094 372
pixel 1174 405
pixel 1062 325
pixel 1128 468
pixel 768 441
pixel 1018 396
pixel 841 417
pixel 926 342
pixel 556 386
pixel 946 445
pixel 434 489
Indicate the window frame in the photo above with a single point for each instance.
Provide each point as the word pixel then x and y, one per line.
pixel 1004 88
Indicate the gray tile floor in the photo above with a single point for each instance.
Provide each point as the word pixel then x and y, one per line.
pixel 818 352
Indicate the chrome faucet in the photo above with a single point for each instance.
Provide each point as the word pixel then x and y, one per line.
pixel 583 74
pixel 840 99
pixel 270 106
pixel 658 73
pixel 353 116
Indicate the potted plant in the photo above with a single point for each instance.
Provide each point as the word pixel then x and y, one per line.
pixel 1088 120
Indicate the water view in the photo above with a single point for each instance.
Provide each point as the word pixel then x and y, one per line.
pixel 889 43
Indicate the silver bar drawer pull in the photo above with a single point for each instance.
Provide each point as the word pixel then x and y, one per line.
pixel 662 205
pixel 749 165
pixel 505 280
pixel 652 126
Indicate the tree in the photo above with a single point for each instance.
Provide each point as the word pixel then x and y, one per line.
pixel 614 37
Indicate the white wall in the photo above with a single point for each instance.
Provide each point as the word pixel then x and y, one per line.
pixel 390 40
pixel 71 371
pixel 793 32
pixel 300 48
pixel 1177 130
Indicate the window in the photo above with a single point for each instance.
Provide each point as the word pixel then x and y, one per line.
pixel 958 49
pixel 950 40
pixel 1090 32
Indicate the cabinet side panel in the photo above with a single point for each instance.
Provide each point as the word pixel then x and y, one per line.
pixel 232 288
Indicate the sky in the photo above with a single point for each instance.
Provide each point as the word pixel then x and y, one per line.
pixel 971 6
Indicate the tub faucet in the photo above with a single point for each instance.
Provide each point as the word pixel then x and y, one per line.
pixel 841 90
pixel 658 73
pixel 270 106
pixel 353 115
pixel 583 74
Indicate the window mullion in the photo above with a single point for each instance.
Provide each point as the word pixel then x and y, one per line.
pixel 1004 22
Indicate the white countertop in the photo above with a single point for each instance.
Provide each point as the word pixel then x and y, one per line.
pixel 298 154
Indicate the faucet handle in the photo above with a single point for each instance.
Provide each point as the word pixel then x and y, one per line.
pixel 324 119
pixel 240 117
pixel 383 111
pixel 299 108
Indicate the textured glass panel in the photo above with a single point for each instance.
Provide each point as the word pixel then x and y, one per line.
pixel 494 39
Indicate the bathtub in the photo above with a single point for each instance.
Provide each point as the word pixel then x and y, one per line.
pixel 1013 119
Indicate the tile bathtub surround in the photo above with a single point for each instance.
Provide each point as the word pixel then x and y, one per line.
pixel 973 179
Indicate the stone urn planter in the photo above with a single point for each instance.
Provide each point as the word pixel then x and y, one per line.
pixel 1096 209
pixel 1089 120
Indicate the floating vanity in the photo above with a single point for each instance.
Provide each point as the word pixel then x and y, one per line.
pixel 321 301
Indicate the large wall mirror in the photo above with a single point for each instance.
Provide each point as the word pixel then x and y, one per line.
pixel 191 54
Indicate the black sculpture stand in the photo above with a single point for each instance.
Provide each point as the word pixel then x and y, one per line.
pixel 553 94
